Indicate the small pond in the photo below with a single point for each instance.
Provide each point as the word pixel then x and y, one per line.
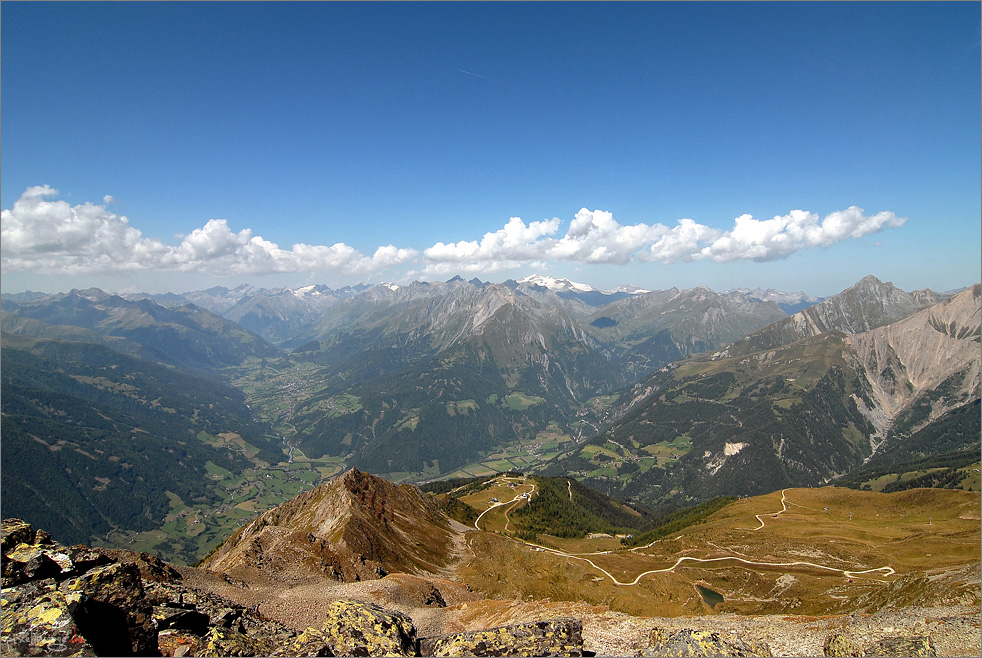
pixel 711 598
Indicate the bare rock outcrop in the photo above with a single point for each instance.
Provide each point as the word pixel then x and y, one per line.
pixel 905 359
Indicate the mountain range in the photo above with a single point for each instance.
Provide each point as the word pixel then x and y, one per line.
pixel 800 402
pixel 667 397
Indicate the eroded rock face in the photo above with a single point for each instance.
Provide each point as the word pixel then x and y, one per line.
pixel 560 637
pixel 688 642
pixel 354 628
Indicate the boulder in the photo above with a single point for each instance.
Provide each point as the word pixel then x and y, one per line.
pixel 14 532
pixel 309 643
pixel 85 558
pixel 180 619
pixel 112 611
pixel 151 567
pixel 229 642
pixel 841 646
pixel 354 628
pixel 560 637
pixel 433 597
pixel 178 643
pixel 896 645
pixel 688 642
pixel 37 621
pixel 912 645
pixel 35 559
pixel 28 562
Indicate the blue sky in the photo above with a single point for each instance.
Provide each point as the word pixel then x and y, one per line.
pixel 343 143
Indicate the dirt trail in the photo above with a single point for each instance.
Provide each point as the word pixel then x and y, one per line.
pixel 884 571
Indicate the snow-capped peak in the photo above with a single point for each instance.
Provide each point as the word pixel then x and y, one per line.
pixel 627 289
pixel 555 285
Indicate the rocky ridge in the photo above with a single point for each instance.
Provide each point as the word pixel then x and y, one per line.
pixel 868 304
pixel 905 359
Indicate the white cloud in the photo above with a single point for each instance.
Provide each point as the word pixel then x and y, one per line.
pixel 42 235
pixel 781 236
pixel 680 243
pixel 515 242
pixel 55 237
pixel 52 236
pixel 594 237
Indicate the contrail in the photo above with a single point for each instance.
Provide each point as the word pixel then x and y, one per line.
pixel 476 75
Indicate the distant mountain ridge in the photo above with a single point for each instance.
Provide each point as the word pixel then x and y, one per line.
pixel 278 314
pixel 810 403
pixel 868 304
pixel 187 335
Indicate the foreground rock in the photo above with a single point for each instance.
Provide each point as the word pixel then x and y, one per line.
pixel 364 629
pixel 83 601
pixel 688 642
pixel 899 645
pixel 562 637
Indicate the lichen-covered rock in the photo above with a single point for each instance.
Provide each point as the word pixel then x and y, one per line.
pixel 229 642
pixel 309 643
pixel 37 621
pixel 560 637
pixel 14 532
pixel 112 611
pixel 914 645
pixel 841 646
pixel 899 645
pixel 28 562
pixel 354 628
pixel 35 558
pixel 85 558
pixel 688 642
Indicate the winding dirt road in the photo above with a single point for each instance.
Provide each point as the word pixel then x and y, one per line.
pixel 846 573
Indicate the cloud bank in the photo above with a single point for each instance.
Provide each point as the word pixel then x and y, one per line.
pixel 54 237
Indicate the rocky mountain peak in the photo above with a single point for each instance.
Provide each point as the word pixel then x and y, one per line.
pixel 905 359
pixel 868 304
pixel 354 527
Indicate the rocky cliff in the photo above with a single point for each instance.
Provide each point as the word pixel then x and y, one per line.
pixel 915 356
pixel 869 304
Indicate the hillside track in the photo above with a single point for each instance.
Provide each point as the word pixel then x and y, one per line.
pixel 883 572
pixel 513 502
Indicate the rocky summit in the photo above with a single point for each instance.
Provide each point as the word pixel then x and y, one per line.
pixel 351 528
